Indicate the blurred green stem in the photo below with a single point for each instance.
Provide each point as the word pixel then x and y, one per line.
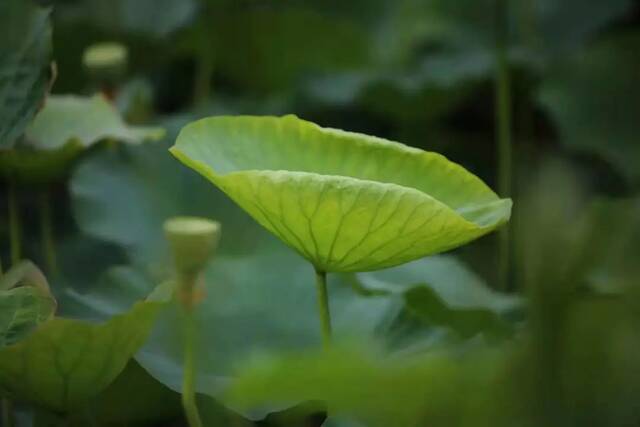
pixel 14 224
pixel 323 307
pixel 112 144
pixel 187 286
pixel 503 132
pixel 46 228
pixel 46 418
pixel 202 85
pixel 205 60
pixel 7 407
pixel 7 413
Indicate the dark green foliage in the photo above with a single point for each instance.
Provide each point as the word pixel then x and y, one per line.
pixel 433 342
pixel 25 49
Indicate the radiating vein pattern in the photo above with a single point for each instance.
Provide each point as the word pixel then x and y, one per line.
pixel 67 362
pixel 345 201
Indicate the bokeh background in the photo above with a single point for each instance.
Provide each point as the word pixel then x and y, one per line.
pixel 422 72
pixel 540 98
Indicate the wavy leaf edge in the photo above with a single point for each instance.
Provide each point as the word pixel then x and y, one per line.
pixel 475 218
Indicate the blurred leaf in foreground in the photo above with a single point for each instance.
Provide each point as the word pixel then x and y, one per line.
pixel 580 365
pixel 254 304
pixel 436 390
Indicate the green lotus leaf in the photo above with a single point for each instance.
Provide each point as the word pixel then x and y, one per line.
pixel 67 362
pixel 116 405
pixel 256 304
pixel 443 291
pixel 345 201
pixel 155 404
pixel 87 120
pixel 147 185
pixel 28 165
pixel 457 285
pixel 152 404
pixel 239 316
pixel 433 389
pixel 25 302
pixel 61 131
pixel 22 309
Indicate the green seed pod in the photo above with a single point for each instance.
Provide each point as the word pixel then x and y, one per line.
pixel 106 62
pixel 193 241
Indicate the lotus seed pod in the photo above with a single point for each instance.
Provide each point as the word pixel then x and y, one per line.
pixel 193 241
pixel 106 62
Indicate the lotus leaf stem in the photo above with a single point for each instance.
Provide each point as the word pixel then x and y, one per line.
pixel 188 380
pixel 7 413
pixel 7 406
pixel 323 307
pixel 503 133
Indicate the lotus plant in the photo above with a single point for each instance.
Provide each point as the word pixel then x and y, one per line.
pixel 193 241
pixel 60 132
pixel 345 201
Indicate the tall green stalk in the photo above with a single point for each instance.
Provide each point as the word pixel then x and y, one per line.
pixel 47 237
pixel 14 224
pixel 193 241
pixel 7 413
pixel 188 381
pixel 503 132
pixel 323 307
pixel 202 88
pixel 7 407
pixel 205 61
